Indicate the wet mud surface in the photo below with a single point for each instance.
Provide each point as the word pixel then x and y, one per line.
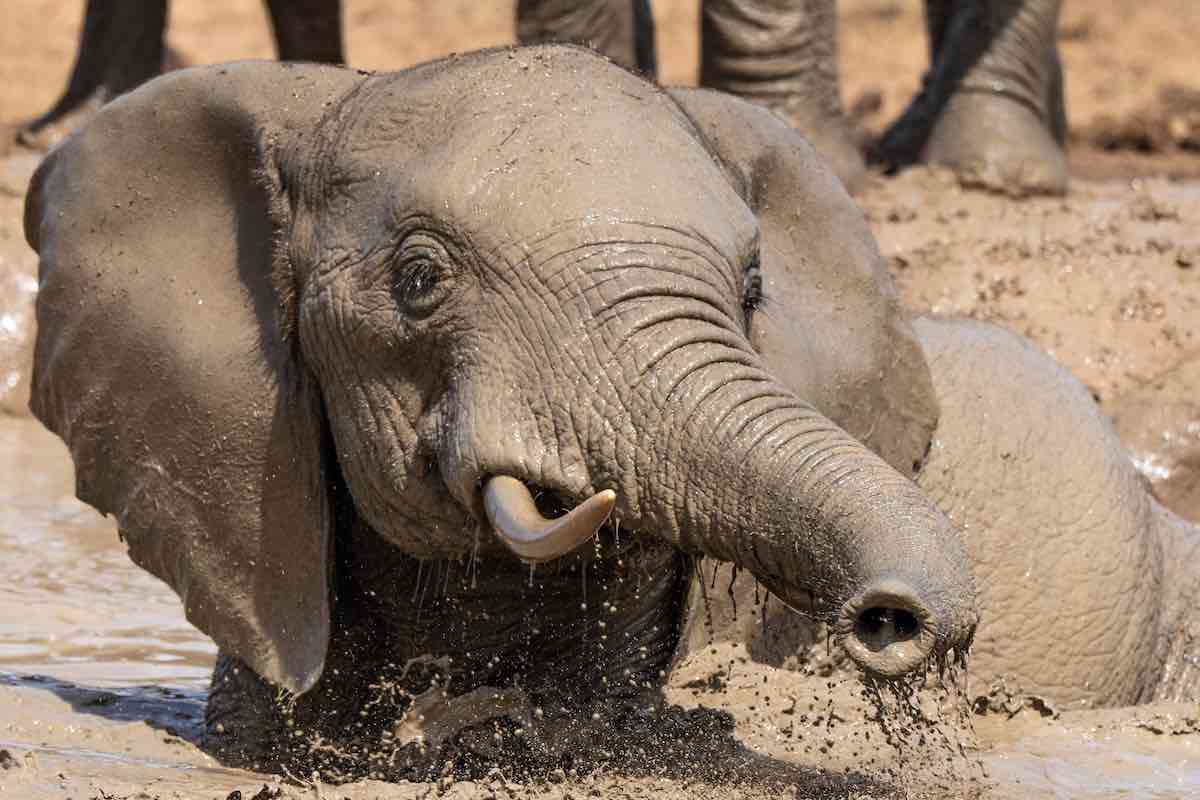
pixel 102 682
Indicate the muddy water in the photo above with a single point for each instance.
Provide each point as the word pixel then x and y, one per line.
pixel 99 672
pixel 72 604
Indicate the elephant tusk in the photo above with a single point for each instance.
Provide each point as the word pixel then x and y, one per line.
pixel 518 523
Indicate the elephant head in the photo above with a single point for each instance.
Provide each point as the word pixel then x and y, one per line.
pixel 512 273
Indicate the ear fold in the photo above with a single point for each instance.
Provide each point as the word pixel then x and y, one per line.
pixel 160 359
pixel 830 325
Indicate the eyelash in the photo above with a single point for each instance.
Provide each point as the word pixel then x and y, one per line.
pixel 416 281
pixel 752 295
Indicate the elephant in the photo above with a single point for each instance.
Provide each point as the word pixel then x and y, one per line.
pixel 337 371
pixel 990 108
pixel 341 375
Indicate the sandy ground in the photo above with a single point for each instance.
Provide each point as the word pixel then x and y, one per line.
pixel 1106 279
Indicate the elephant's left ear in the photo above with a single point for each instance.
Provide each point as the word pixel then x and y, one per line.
pixel 161 358
pixel 832 327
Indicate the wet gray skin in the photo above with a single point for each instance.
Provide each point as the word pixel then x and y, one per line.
pixel 382 354
pixel 355 320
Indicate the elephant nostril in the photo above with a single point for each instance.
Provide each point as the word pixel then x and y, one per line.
pixel 877 627
pixel 888 629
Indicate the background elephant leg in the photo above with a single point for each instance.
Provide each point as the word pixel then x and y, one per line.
pixel 623 30
pixel 120 47
pixel 991 107
pixel 308 30
pixel 783 54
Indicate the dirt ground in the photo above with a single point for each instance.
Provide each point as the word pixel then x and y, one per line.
pixel 1106 279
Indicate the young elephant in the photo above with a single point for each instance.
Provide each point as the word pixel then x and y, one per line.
pixel 313 335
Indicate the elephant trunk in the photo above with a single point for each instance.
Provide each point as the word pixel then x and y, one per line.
pixel 761 479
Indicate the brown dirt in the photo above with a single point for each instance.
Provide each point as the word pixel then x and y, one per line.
pixel 1106 279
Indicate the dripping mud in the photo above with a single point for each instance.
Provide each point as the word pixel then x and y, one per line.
pixel 103 684
pixel 103 689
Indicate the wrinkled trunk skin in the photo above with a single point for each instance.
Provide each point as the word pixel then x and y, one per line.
pixel 797 502
pixel 992 103
pixel 622 30
pixel 659 396
pixel 783 55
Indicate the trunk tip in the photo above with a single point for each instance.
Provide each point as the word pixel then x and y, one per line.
pixel 888 630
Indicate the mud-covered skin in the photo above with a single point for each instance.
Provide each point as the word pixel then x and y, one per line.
pixel 1087 584
pixel 1093 603
pixel 581 635
pixel 532 288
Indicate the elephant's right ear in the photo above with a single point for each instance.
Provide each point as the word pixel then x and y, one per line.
pixel 161 360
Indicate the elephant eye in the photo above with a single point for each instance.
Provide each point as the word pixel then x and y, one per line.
pixel 752 292
pixel 418 281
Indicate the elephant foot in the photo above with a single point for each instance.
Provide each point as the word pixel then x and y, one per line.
pixel 991 108
pixel 998 144
pixel 990 141
pixel 43 133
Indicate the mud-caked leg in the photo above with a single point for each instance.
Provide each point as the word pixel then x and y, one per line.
pixel 783 54
pixel 308 30
pixel 991 107
pixel 120 47
pixel 623 30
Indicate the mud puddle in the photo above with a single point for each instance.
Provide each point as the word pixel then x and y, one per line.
pixel 72 605
pixel 102 686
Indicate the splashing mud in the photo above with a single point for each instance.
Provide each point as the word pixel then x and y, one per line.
pixel 102 682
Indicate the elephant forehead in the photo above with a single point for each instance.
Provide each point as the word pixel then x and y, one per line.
pixel 518 141
pixel 551 169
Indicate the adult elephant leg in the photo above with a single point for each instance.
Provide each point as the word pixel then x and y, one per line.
pixel 623 30
pixel 992 104
pixel 120 48
pixel 308 30
pixel 783 54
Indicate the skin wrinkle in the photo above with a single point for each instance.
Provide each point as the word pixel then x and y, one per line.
pixel 576 425
pixel 546 358
pixel 491 377
pixel 1118 621
pixel 708 254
